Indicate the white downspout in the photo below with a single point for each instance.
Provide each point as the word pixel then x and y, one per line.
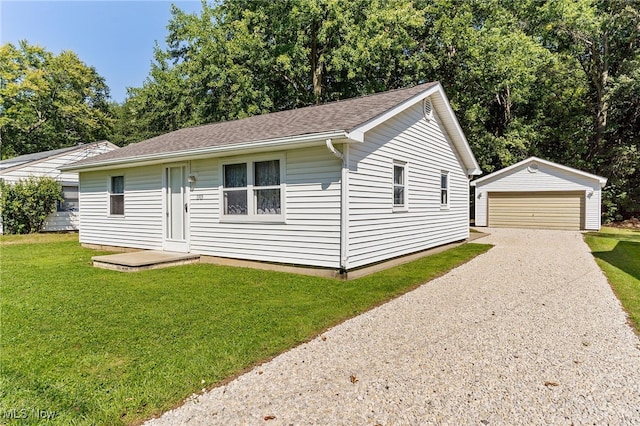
pixel 344 207
pixel 333 150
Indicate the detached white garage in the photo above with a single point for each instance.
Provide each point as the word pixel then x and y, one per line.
pixel 537 193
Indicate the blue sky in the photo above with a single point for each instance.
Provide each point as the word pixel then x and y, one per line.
pixel 116 37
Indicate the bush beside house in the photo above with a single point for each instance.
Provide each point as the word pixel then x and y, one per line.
pixel 24 205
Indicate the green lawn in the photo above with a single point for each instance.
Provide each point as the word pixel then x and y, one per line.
pixel 617 252
pixel 93 346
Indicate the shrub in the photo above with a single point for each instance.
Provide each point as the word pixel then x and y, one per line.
pixel 25 205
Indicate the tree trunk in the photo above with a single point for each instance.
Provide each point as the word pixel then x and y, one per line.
pixel 599 78
pixel 316 64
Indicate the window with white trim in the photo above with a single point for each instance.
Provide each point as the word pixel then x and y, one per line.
pixel 444 189
pixel 399 184
pixel 252 189
pixel 116 196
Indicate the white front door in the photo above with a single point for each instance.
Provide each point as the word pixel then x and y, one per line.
pixel 176 206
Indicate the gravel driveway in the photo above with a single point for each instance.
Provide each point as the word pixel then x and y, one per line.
pixel 528 333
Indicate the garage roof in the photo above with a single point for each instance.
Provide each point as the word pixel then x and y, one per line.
pixel 601 180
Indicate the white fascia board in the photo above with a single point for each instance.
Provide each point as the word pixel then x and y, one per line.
pixel 456 134
pixel 474 171
pixel 443 109
pixel 601 180
pixel 192 154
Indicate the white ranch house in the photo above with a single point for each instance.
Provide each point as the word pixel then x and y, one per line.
pixel 337 186
pixel 537 193
pixel 48 164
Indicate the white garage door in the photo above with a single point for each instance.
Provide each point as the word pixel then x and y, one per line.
pixel 545 210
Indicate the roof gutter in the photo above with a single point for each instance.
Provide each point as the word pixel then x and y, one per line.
pixel 195 153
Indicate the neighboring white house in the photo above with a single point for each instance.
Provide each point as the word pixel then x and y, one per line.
pixel 338 186
pixel 48 164
pixel 537 193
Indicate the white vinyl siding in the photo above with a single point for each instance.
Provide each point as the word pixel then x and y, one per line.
pixel 545 179
pixel 378 233
pixel 141 225
pixel 62 221
pixel 310 231
pixel 49 167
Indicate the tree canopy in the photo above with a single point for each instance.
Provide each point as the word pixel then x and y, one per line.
pixel 557 79
pixel 49 101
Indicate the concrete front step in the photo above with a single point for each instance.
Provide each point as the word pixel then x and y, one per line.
pixel 143 260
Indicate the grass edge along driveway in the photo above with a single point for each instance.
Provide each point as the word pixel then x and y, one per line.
pixel 617 252
pixel 82 345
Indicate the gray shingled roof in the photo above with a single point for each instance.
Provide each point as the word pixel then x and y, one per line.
pixel 335 116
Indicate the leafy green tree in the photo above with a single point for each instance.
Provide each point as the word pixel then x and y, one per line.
pixel 602 39
pixel 24 205
pixel 242 58
pixel 494 73
pixel 49 101
pixel 557 79
pixel 622 193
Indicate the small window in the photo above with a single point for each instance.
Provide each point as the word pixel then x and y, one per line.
pixel 444 189
pixel 267 187
pixel 116 196
pixel 235 189
pixel 69 201
pixel 399 185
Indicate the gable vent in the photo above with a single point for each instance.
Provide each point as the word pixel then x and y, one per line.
pixel 428 109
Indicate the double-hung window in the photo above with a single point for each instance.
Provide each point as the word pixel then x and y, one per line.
pixel 399 185
pixel 116 195
pixel 252 190
pixel 444 189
